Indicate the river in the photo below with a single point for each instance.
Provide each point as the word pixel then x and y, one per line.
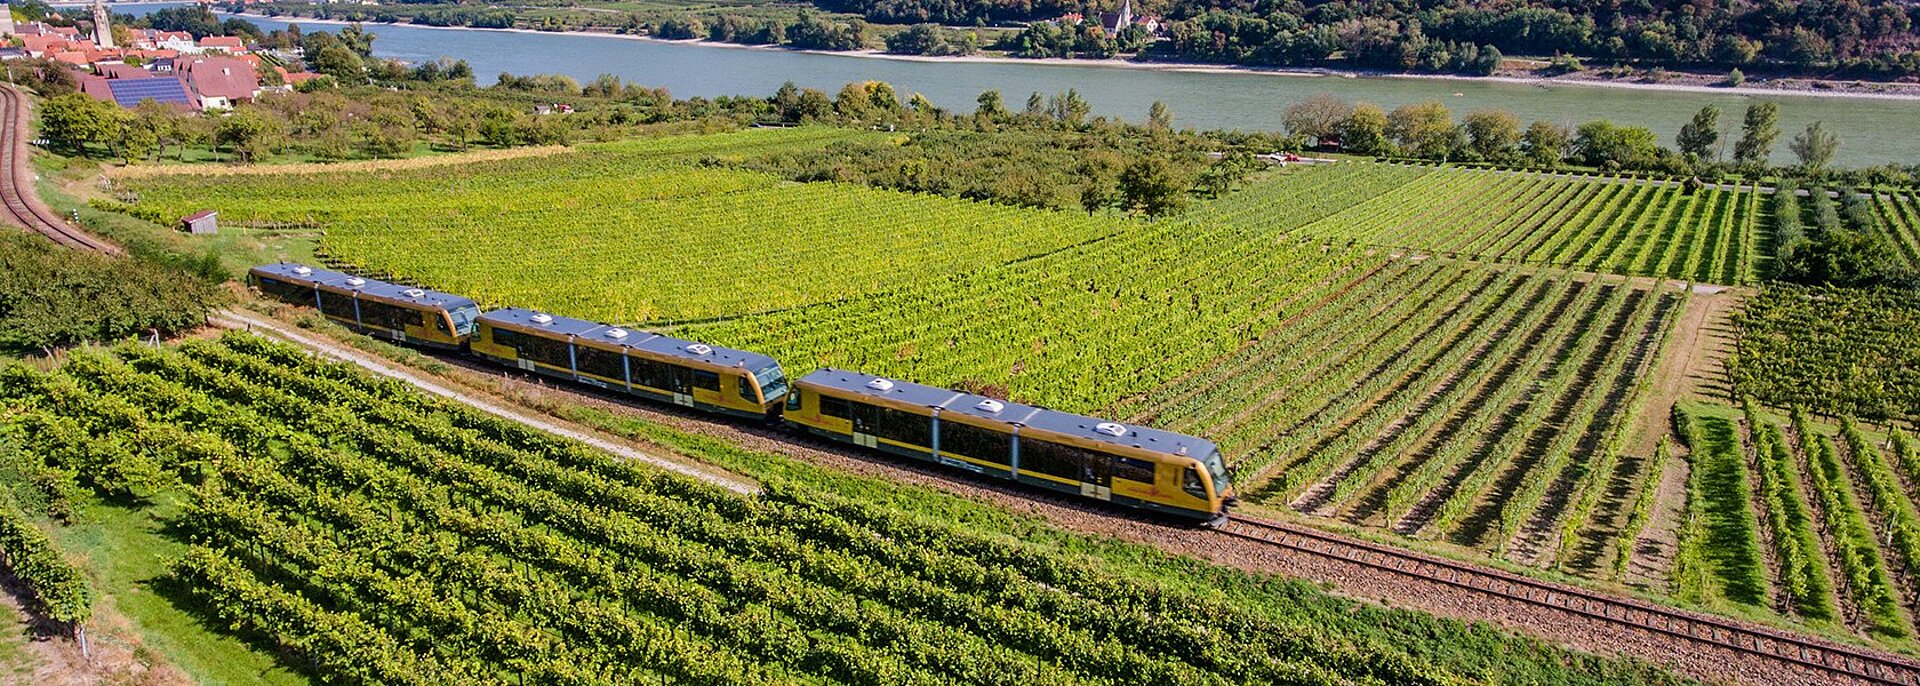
pixel 1873 131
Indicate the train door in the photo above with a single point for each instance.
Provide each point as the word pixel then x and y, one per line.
pixel 1096 475
pixel 866 422
pixel 681 379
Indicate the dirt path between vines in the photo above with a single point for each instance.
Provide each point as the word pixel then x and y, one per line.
pixel 425 382
pixel 1693 361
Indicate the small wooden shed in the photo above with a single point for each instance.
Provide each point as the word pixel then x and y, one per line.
pixel 199 223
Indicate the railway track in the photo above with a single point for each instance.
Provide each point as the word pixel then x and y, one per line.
pixel 1824 659
pixel 23 208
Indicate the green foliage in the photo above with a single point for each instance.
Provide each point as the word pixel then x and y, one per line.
pixel 1758 130
pixel 1803 570
pixel 1815 147
pixel 505 554
pixel 58 590
pixel 1854 542
pixel 932 40
pixel 1034 167
pixel 1697 137
pixel 1840 351
pixel 51 297
pixel 74 121
pixel 454 226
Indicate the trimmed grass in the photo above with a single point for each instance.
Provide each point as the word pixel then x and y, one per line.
pixel 127 551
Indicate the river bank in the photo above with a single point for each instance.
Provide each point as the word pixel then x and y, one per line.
pixel 1675 82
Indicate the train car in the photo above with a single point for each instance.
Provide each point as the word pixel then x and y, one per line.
pixel 1134 466
pixel 386 310
pixel 662 368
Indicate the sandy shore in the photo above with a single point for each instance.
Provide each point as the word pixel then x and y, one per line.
pixel 1753 88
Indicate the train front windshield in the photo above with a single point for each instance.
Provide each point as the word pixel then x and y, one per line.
pixel 1218 469
pixel 773 383
pixel 463 319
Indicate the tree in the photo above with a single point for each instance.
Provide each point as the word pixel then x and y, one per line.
pixel 341 63
pixel 1761 126
pixel 991 106
pixel 1317 117
pixel 250 132
pixel 1697 137
pixel 1493 133
pixel 137 141
pixel 1036 106
pixel 1601 144
pixel 786 102
pixel 74 121
pixel 1365 131
pixel 1151 186
pixel 1545 143
pixel 165 122
pixel 1159 117
pixel 1815 147
pixel 1423 129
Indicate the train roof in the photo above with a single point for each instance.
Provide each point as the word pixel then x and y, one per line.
pixel 292 271
pixel 645 341
pixel 951 402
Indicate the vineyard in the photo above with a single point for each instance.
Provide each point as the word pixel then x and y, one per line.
pixel 369 534
pixel 1899 222
pixel 634 231
pixel 1813 521
pixel 1611 225
pixel 1839 351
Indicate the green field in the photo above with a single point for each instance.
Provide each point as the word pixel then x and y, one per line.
pixel 365 533
pixel 1614 225
pixel 1807 519
pixel 633 232
pixel 1458 359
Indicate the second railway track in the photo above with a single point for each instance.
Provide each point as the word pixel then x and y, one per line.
pixel 1822 659
pixel 22 208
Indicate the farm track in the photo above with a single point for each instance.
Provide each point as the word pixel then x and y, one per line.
pixel 24 207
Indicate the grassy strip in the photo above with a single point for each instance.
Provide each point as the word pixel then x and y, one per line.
pixel 1853 539
pixel 1802 574
pixel 1729 545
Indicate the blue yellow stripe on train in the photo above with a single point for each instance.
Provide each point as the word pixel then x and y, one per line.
pixel 1134 466
pixel 650 365
pixel 388 310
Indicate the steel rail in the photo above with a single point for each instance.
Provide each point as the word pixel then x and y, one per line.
pixel 1820 656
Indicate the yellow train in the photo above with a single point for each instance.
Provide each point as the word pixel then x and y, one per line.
pixel 1133 466
pixel 392 311
pixel 663 368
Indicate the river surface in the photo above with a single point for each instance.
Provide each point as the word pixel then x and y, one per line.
pixel 1873 131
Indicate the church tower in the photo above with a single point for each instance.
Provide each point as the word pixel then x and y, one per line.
pixel 102 26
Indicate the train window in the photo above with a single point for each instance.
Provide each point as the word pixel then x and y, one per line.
pixel 904 427
pixel 301 295
pixel 705 379
pixel 1191 483
pixel 1053 459
pixel 975 442
pixel 651 374
pixel 545 350
pixel 385 316
pixel 337 305
pixel 746 391
pixel 1133 469
pixel 507 339
pixel 599 362
pixel 835 407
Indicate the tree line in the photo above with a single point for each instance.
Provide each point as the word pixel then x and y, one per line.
pixel 1707 146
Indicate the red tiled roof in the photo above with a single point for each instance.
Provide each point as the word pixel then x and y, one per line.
pixel 122 71
pixel 227 43
pixel 223 77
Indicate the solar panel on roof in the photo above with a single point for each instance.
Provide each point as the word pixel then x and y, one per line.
pixel 129 92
